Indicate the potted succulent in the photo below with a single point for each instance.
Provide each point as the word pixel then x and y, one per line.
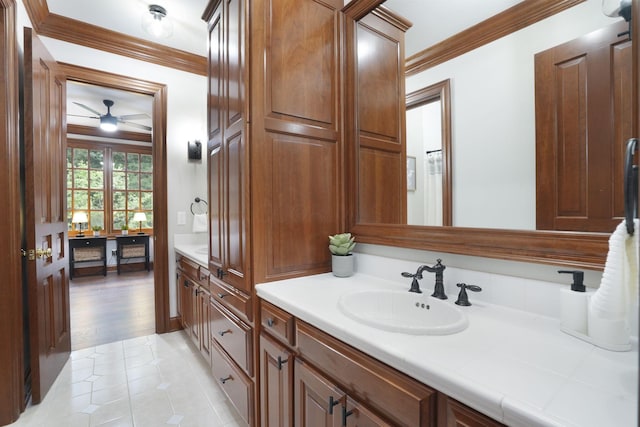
pixel 96 230
pixel 125 229
pixel 341 246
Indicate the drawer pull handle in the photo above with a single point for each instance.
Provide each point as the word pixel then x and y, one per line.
pixel 270 322
pixel 281 362
pixel 345 414
pixel 332 403
pixel 221 333
pixel 222 295
pixel 186 284
pixel 224 380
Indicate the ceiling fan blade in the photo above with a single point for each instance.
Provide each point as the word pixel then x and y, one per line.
pixel 134 116
pixel 136 125
pixel 80 115
pixel 87 108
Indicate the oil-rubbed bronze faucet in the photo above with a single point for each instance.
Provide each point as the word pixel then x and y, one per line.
pixel 438 291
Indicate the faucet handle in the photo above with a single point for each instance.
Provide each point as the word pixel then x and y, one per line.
pixel 463 298
pixel 407 274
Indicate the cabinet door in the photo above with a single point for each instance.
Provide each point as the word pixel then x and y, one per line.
pixel 204 298
pixel 317 401
pixel 356 415
pixel 184 289
pixel 452 413
pixel 276 383
pixel 196 317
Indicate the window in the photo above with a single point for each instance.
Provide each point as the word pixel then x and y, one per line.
pixel 110 182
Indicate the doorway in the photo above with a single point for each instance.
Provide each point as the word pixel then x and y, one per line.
pixel 159 161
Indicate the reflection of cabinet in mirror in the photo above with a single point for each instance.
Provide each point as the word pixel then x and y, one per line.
pixel 379 133
pixel 584 110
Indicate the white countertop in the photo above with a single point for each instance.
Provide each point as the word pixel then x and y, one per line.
pixel 514 366
pixel 198 252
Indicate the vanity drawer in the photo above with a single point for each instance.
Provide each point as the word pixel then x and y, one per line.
pixel 233 300
pixel 236 385
pixel 397 397
pixel 277 322
pixel 233 335
pixel 189 267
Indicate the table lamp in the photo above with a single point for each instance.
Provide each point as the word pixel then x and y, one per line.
pixel 79 218
pixel 140 217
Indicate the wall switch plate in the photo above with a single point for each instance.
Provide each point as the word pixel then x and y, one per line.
pixel 182 218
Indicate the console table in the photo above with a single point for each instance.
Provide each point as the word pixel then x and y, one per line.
pixel 87 249
pixel 133 246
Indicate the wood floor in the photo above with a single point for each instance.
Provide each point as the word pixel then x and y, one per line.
pixel 111 308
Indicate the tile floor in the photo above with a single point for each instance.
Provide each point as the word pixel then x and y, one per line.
pixel 150 381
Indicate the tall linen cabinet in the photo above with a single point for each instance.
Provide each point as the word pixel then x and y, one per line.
pixel 275 144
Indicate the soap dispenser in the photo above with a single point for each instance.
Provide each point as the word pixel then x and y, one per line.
pixel 574 305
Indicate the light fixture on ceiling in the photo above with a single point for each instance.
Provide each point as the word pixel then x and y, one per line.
pixel 156 22
pixel 108 123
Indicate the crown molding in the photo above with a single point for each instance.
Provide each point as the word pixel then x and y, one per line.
pixel 513 19
pixel 81 33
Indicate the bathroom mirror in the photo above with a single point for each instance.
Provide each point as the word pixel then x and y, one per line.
pixel 502 238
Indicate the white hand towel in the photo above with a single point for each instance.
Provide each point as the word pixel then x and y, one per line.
pixel 609 307
pixel 200 223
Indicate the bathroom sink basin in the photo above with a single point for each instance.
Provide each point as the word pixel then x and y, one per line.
pixel 403 311
pixel 203 251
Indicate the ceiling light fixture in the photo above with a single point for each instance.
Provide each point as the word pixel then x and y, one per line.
pixel 156 22
pixel 108 123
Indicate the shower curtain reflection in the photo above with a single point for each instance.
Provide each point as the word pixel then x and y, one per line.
pixel 433 187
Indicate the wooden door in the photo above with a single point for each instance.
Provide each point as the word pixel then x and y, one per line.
pixel 45 219
pixel 276 384
pixel 204 300
pixel 584 117
pixel 196 317
pixel 318 402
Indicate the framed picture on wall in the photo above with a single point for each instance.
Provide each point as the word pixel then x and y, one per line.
pixel 411 173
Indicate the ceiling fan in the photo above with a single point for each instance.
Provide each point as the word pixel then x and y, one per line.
pixel 109 122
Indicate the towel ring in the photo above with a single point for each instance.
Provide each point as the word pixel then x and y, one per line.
pixel 630 185
pixel 200 205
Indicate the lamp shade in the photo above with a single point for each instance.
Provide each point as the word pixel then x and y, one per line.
pixel 139 216
pixel 79 217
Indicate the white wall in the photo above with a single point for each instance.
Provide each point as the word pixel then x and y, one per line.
pixel 493 119
pixel 186 120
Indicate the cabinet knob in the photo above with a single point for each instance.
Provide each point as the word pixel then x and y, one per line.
pixel 221 295
pixel 221 333
pixel 270 322
pixel 224 380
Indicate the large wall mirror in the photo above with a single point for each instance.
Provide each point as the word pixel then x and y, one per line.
pixel 492 154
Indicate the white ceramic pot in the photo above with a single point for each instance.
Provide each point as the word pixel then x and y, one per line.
pixel 342 266
pixel 96 234
pixel 125 231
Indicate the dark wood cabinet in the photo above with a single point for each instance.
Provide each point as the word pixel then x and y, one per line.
pixel 452 413
pixel 194 298
pixel 325 382
pixel 276 383
pixel 87 250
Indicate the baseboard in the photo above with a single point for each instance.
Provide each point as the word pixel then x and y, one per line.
pixel 175 324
